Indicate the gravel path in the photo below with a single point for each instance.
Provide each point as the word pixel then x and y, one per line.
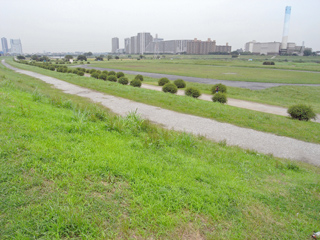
pixel 240 84
pixel 238 103
pixel 266 143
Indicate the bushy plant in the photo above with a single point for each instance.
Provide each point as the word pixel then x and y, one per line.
pixel 98 71
pixel 163 81
pixel 180 83
pixel 80 73
pixel 170 87
pixel 105 72
pixel 268 63
pixel 92 71
pixel 192 92
pixel 120 74
pixel 219 97
pixel 69 70
pixel 95 75
pixel 135 83
pixel 301 112
pixel 123 81
pixel 222 88
pixel 112 73
pixel 139 76
pixel 75 71
pixel 112 78
pixel 103 76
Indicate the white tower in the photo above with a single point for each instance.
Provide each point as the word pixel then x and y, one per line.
pixel 284 44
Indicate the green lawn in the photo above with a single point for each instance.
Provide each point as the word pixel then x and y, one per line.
pixel 283 126
pixel 218 70
pixel 71 170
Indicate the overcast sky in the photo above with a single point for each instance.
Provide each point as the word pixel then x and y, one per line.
pixel 89 25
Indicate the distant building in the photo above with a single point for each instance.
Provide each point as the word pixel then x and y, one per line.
pixel 4 44
pixel 199 47
pixel 223 48
pixel 127 45
pixel 273 48
pixel 16 47
pixel 115 44
pixel 167 47
pixel 143 40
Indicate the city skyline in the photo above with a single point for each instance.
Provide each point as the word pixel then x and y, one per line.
pixel 70 26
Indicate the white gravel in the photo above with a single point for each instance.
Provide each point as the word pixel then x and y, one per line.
pixel 267 143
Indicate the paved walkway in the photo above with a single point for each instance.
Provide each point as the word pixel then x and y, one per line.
pixel 240 84
pixel 238 103
pixel 266 143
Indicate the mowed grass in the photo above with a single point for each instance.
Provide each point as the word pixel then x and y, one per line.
pixel 284 126
pixel 71 170
pixel 219 71
pixel 284 96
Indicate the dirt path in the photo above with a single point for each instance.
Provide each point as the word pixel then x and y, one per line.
pixel 238 103
pixel 266 143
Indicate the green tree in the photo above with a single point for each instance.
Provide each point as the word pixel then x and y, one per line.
pixel 82 58
pixel 109 57
pixel 35 57
pixel 88 54
pixel 68 57
pixel 21 57
pixel 307 52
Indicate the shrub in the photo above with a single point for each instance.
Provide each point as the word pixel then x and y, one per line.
pixel 123 81
pixel 219 97
pixel 88 62
pixel 88 71
pixel 105 72
pixel 80 73
pixel 222 88
pixel 163 81
pixel 268 63
pixel 170 87
pixel 103 76
pixel 192 92
pixel 75 71
pixel 98 71
pixel 139 76
pixel 92 71
pixel 112 78
pixel 301 112
pixel 69 70
pixel 95 75
pixel 52 68
pixel 180 83
pixel 111 73
pixel 135 83
pixel 120 74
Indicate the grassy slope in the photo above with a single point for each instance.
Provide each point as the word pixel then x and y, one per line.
pixel 78 172
pixel 307 131
pixel 222 72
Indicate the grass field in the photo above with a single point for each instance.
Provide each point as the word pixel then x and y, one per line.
pixel 71 170
pixel 283 126
pixel 222 70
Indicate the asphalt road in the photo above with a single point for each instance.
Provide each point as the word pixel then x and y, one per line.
pixel 240 84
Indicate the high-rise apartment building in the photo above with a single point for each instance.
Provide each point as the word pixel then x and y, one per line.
pixel 4 44
pixel 16 47
pixel 127 45
pixel 115 44
pixel 201 47
pixel 143 41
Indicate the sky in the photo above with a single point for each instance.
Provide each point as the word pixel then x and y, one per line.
pixel 89 25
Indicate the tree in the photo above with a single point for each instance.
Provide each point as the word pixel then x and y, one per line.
pixel 99 58
pixel 109 57
pixel 307 52
pixel 88 54
pixel 21 57
pixel 116 57
pixel 68 57
pixel 35 57
pixel 82 58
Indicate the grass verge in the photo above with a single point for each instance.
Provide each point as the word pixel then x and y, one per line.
pixel 71 170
